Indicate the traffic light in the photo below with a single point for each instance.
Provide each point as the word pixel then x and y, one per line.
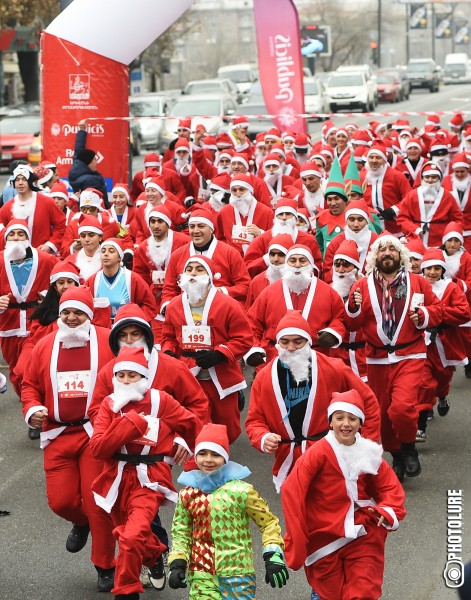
pixel 315 40
pixel 374 52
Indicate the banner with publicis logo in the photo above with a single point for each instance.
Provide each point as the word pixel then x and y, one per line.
pixel 280 62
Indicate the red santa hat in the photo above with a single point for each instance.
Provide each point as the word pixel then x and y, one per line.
pixel 404 133
pixel 141 199
pixel 151 160
pixel 224 141
pixel 65 269
pixel 376 127
pixel 91 197
pixel 379 149
pixel 310 168
pixel 43 174
pixel 132 359
pixel 213 437
pixel 357 207
pixel 361 137
pixel 415 246
pixel 205 262
pixel 91 224
pixel 342 131
pixel 281 242
pixel 350 402
pixel 286 205
pixel 303 250
pixel 359 154
pixel 260 139
pixel 182 144
pixel 226 153
pixel 400 124
pixel 348 250
pixel 272 159
pixel 242 180
pixel 438 144
pixel 466 134
pixel 453 230
pixel 460 161
pixel 293 323
pixel 242 158
pixel 302 141
pixel 433 257
pixel 431 168
pixel 328 128
pixel 130 313
pixel 210 142
pixel 273 134
pixel 16 224
pixel 59 190
pixel 303 214
pixel 161 212
pixel 201 215
pixel 327 150
pixel 288 136
pixel 221 181
pixel 156 183
pixel 433 120
pixel 79 298
pixel 185 123
pixel 240 121
pixel 278 150
pixel 123 188
pixel 415 142
pixel 456 120
pixel 116 243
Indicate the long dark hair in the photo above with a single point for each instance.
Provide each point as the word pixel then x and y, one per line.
pixel 48 311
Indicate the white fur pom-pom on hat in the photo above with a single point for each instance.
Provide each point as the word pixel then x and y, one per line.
pixel 217 276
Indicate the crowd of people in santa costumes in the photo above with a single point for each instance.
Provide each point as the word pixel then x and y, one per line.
pixel 278 272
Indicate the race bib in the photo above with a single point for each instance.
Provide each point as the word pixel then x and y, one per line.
pixel 73 384
pixel 151 435
pixel 158 277
pixel 196 337
pixel 417 300
pixel 240 235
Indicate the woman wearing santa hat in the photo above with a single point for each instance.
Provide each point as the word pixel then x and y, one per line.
pixel 340 501
pixel 121 209
pixel 90 235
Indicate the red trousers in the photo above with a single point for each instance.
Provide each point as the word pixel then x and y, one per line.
pixel 132 516
pixel 70 471
pixel 355 572
pixel 396 387
pixel 225 411
pixel 11 350
pixel 465 333
pixel 436 380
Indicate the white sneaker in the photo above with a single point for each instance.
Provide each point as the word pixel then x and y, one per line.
pixel 420 436
pixel 145 580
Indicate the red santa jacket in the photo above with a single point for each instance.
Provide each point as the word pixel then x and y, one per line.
pixel 139 228
pixel 229 222
pixel 413 175
pixel 464 205
pixel 326 506
pixel 46 225
pixel 267 410
pixel 321 306
pixel 368 318
pixel 229 334
pixel 171 180
pixel 165 373
pixel 40 384
pixel 256 257
pixel 230 272
pixel 412 217
pixel 334 246
pixel 126 218
pixel 124 433
pixel 190 182
pixel 256 287
pixel 14 321
pixel 110 229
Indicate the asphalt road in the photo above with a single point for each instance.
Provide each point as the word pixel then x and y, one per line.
pixel 34 564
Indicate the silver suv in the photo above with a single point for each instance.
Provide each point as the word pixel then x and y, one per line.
pixel 423 73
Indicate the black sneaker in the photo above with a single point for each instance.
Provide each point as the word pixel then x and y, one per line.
pixel 443 406
pixel 411 460
pixel 77 538
pixel 105 581
pixel 157 574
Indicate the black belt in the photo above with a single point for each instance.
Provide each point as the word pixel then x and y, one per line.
pixel 72 423
pixel 23 305
pixel 352 345
pixel 297 441
pixel 137 459
pixel 392 349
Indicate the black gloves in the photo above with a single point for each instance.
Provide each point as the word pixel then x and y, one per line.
pixel 170 353
pixel 177 577
pixel 388 214
pixel 182 226
pixel 255 359
pixel 209 358
pixel 325 339
pixel 189 201
pixel 276 573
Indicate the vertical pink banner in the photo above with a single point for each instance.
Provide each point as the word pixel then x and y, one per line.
pixel 280 62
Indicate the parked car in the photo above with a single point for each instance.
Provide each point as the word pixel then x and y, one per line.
pixel 351 90
pixel 423 73
pixel 389 88
pixel 16 136
pixel 213 86
pixel 212 110
pixel 399 73
pixel 315 97
pixel 145 128
pixel 242 75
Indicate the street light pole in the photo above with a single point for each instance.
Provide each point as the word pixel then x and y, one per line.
pixel 379 31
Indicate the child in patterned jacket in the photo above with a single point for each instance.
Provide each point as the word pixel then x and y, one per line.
pixel 211 527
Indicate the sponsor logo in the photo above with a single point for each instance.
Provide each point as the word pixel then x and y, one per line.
pixel 94 129
pixel 284 65
pixel 55 129
pixel 79 87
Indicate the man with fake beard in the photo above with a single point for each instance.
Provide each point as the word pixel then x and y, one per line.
pixel 153 163
pixel 274 177
pixel 427 209
pixel 245 218
pixel 182 164
pixel 135 428
pixel 209 331
pixel 277 250
pixel 312 197
pixel 24 273
pixel 298 289
pixel 384 187
pixel 392 307
pixel 357 228
pixel 440 155
pixel 285 221
pixel 290 396
pixel 459 184
pixel 56 393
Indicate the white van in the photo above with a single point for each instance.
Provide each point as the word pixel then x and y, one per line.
pixel 457 69
pixel 242 75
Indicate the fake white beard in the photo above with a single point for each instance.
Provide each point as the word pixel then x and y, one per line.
pixel 259 156
pixel 373 176
pixel 272 177
pixel 298 361
pixel 453 263
pixel 361 238
pixel 460 184
pixel 304 227
pixel 342 283
pixel 403 142
pixel 181 162
pixel 274 272
pixel 312 201
pixel 23 210
pixel 242 203
pixel 442 161
pixel 128 392
pixel 86 265
pixel 140 343
pixel 298 279
pixel 195 287
pixel 16 250
pixel 430 190
pixel 76 337
pixel 215 200
pixel 157 251
pixel 224 168
pixel 288 226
